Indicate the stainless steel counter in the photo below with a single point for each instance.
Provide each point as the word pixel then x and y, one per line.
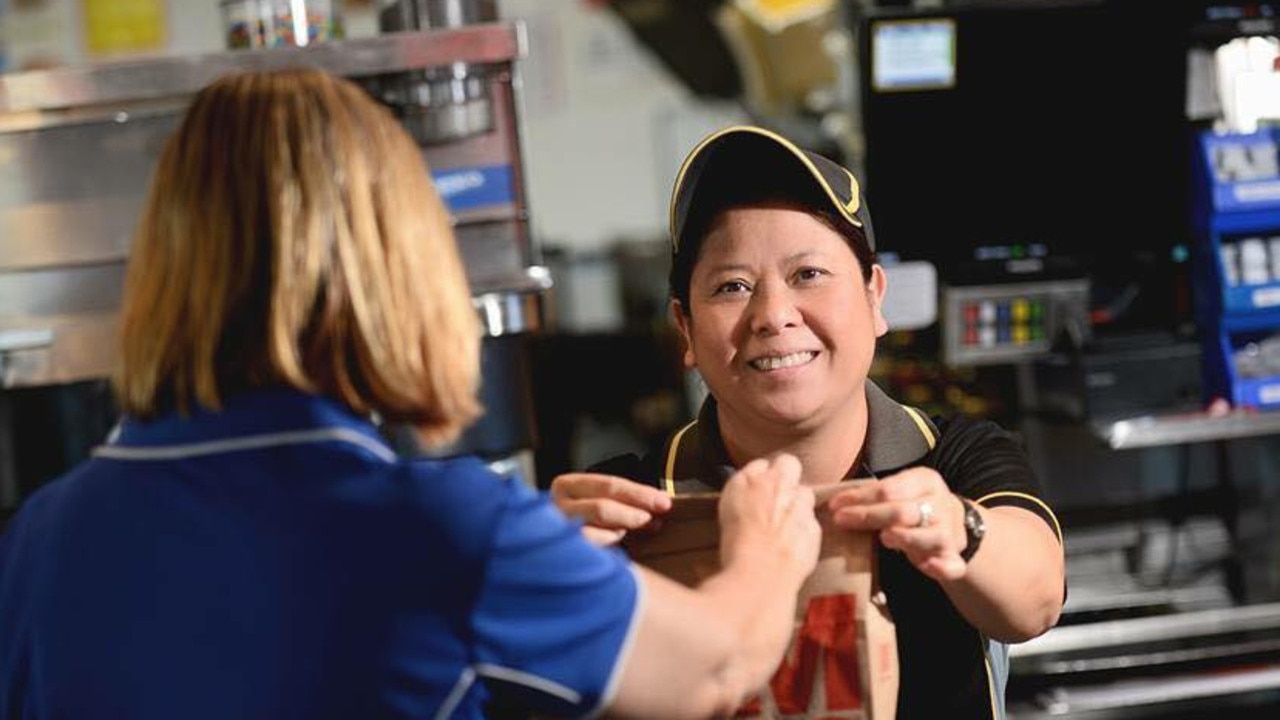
pixel 1179 428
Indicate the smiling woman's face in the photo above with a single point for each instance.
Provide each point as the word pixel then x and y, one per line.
pixel 780 323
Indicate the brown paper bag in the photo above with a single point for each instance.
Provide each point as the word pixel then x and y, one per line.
pixel 843 658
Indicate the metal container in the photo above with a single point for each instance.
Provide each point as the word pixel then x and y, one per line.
pixel 443 103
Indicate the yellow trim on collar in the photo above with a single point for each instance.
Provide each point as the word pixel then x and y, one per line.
pixel 668 479
pixel 991 680
pixel 922 424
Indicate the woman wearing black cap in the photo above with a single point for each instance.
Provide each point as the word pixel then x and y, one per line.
pixel 776 293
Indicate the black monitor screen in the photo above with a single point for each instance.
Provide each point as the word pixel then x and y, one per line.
pixel 1017 141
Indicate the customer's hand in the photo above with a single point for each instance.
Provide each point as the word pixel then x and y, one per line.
pixel 765 509
pixel 915 512
pixel 610 505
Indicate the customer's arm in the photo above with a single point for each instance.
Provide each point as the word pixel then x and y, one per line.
pixel 700 653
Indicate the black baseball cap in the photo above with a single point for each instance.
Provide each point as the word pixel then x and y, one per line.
pixel 748 161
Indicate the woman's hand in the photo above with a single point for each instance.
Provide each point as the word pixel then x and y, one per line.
pixel 914 512
pixel 764 510
pixel 610 505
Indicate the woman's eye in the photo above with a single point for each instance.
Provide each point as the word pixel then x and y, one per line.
pixel 733 286
pixel 810 273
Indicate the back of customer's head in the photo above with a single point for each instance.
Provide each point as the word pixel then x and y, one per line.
pixel 292 237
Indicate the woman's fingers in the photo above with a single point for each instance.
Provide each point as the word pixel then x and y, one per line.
pixel 902 486
pixel 878 516
pixel 915 513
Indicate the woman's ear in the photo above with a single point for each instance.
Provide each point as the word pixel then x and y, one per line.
pixel 876 288
pixel 683 322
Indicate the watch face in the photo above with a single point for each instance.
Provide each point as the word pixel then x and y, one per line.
pixel 974 528
pixel 973 522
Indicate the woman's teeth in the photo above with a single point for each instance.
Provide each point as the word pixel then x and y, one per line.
pixel 777 363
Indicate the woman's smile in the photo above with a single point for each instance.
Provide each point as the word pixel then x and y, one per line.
pixel 770 363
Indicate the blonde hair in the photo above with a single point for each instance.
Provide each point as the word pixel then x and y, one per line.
pixel 292 237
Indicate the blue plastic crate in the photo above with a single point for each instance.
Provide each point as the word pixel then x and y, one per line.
pixel 1238 196
pixel 1241 170
pixel 1222 378
pixel 1260 393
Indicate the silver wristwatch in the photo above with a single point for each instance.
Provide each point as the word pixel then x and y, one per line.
pixel 974 528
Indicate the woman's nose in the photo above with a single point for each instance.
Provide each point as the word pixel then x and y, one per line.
pixel 773 309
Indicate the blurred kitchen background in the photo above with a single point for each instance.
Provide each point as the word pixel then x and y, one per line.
pixel 1078 203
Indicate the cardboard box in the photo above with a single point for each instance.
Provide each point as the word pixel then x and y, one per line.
pixel 843 659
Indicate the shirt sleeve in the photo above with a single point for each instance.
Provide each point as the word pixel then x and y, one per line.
pixel 983 462
pixel 555 614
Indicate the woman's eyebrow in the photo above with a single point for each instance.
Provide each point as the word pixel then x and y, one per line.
pixel 728 267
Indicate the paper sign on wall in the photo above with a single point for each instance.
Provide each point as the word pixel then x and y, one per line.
pixel 124 26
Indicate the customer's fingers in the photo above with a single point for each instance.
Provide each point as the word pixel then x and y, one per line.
pixel 788 468
pixel 602 537
pixel 586 486
pixel 760 491
pixel 609 505
pixel 606 514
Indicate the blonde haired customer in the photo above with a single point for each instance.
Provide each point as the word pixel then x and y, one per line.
pixel 246 545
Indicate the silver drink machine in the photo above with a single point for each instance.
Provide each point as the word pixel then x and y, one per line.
pixel 77 147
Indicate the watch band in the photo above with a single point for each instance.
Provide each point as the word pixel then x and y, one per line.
pixel 974 528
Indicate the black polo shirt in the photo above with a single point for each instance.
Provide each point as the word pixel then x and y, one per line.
pixel 948 669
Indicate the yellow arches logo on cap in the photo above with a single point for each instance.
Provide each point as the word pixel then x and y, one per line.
pixel 848 209
pixel 851 207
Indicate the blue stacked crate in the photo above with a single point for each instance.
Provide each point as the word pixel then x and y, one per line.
pixel 1237 218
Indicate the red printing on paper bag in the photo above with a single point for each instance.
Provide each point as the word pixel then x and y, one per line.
pixel 826 640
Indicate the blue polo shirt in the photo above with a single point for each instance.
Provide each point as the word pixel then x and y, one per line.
pixel 277 560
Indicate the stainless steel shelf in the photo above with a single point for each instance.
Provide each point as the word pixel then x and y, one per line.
pixel 1158 430
pixel 58 349
pixel 1211 693
pixel 1116 633
pixel 155 78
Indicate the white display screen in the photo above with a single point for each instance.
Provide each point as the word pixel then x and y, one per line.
pixel 913 54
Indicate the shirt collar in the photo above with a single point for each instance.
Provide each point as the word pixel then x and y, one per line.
pixel 897 436
pixel 251 413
